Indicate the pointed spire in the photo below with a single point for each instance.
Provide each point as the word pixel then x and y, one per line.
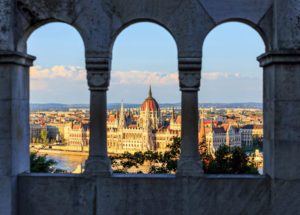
pixel 150 92
pixel 122 117
pixel 173 113
pixel 202 128
pixel 122 106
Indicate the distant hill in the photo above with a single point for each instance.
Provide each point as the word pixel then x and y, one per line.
pixel 57 106
pixel 254 105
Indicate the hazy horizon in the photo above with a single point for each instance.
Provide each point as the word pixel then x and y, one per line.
pixel 142 102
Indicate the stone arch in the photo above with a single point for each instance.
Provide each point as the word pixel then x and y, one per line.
pixel 157 27
pixel 259 36
pixel 119 30
pixel 22 42
pixel 258 29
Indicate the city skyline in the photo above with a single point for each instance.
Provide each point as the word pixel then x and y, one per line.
pixel 145 54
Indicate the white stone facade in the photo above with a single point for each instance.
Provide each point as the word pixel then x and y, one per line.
pixel 146 134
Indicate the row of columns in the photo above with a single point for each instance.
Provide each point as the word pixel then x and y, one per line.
pixel 98 75
pixel 281 86
pixel 281 111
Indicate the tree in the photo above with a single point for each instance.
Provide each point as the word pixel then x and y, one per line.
pixel 205 156
pixel 40 163
pixel 165 162
pixel 257 142
pixel 127 160
pixel 231 161
pixel 226 160
pixel 159 162
pixel 44 136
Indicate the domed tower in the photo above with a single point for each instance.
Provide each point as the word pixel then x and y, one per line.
pixel 149 108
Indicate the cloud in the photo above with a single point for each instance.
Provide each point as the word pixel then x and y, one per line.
pixel 78 74
pixel 75 73
pixel 213 75
pixel 226 75
pixel 143 77
pixel 158 78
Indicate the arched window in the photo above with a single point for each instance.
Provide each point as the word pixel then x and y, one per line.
pixel 59 96
pixel 230 96
pixel 144 88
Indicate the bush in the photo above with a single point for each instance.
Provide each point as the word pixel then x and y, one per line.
pixel 40 163
pixel 226 160
pixel 231 161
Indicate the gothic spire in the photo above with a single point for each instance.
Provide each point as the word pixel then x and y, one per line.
pixel 202 128
pixel 150 92
pixel 173 114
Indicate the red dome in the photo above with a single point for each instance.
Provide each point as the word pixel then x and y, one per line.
pixel 150 103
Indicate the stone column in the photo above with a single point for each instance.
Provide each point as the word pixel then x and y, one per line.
pixel 14 125
pixel 281 114
pixel 98 75
pixel 189 77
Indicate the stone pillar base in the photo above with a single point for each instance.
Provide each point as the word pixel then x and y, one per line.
pixel 189 167
pixel 98 166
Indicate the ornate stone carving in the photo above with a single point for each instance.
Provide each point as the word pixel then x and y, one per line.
pixel 189 73
pixel 189 80
pixel 98 80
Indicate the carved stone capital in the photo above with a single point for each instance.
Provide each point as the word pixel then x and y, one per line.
pixel 189 74
pixel 279 57
pixel 98 63
pixel 189 80
pixel 17 58
pixel 98 80
pixel 98 72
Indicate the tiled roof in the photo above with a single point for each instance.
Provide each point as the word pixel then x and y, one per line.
pixel 178 120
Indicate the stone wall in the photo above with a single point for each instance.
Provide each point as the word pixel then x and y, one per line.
pixel 144 194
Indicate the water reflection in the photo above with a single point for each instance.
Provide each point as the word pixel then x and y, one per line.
pixel 68 162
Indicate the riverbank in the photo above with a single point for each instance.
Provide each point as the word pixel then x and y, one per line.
pixel 59 152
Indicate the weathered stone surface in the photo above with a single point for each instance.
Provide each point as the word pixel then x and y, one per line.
pixel 7 202
pixel 6 27
pixel 287 26
pixel 281 110
pixel 248 10
pixel 123 194
pixel 285 199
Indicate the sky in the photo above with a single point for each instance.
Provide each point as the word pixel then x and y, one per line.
pixel 145 54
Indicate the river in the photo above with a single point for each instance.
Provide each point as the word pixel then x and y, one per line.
pixel 68 162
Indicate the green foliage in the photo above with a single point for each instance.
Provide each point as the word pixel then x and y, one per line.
pixel 257 142
pixel 159 162
pixel 44 136
pixel 40 163
pixel 126 161
pixel 166 162
pixel 205 156
pixel 231 161
pixel 226 160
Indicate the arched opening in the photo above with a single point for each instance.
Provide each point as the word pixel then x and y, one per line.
pixel 59 98
pixel 231 94
pixel 142 121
